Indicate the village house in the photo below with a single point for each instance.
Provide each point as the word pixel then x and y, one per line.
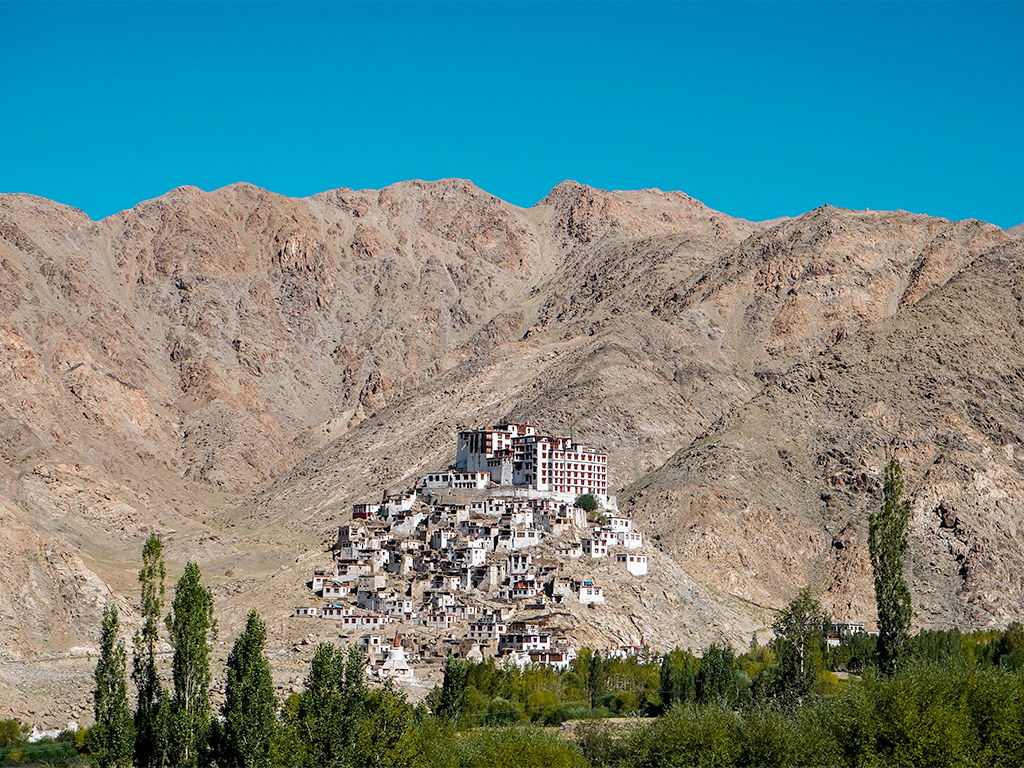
pixel 559 659
pixel 594 548
pixel 364 620
pixel 307 611
pixel 590 593
pixel 635 564
pixel 523 638
pixel 336 612
pixel 485 629
pixel 336 590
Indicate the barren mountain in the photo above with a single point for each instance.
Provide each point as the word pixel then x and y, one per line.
pixel 235 368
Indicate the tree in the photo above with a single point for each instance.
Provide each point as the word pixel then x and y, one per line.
pixel 190 624
pixel 587 502
pixel 799 628
pixel 250 707
pixel 111 738
pixel 888 544
pixel 333 707
pixel 451 702
pixel 150 708
pixel 589 669
pixel 678 678
pixel 716 679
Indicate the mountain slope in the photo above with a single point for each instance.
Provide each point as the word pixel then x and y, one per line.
pixel 777 494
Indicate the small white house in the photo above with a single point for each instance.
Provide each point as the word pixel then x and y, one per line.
pixel 595 548
pixel 309 612
pixel 336 590
pixel 635 563
pixel 590 593
pixel 519 564
pixel 630 539
pixel 528 538
pixel 620 524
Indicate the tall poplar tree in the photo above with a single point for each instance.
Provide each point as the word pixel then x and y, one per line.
pixel 150 708
pixel 888 543
pixel 111 739
pixel 333 707
pixel 191 626
pixel 250 707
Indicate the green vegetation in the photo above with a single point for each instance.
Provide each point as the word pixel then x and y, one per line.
pixel 887 540
pixel 250 706
pixel 935 699
pixel 111 739
pixel 152 702
pixel 190 625
pixel 587 502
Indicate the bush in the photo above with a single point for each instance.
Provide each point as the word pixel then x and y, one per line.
pixel 689 735
pixel 587 502
pixel 518 747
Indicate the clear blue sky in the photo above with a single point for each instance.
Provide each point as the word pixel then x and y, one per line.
pixel 758 109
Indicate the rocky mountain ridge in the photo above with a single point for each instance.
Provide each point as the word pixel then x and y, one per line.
pixel 235 368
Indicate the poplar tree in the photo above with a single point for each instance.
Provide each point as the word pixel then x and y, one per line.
pixel 151 701
pixel 799 629
pixel 250 707
pixel 888 544
pixel 191 625
pixel 111 739
pixel 333 707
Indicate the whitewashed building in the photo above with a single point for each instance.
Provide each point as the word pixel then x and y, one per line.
pixel 635 563
pixel 591 593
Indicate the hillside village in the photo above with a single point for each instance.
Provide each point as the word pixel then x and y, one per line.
pixel 469 550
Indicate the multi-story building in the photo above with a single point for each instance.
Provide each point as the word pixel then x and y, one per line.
pixel 515 455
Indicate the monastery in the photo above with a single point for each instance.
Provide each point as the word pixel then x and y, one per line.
pixel 463 566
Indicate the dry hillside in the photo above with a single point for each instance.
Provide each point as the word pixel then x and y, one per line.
pixel 233 369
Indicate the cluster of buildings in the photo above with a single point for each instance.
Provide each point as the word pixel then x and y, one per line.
pixel 464 567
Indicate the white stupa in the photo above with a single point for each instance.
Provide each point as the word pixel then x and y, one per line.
pixel 396 663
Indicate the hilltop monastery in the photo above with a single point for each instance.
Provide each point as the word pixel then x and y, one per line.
pixel 466 548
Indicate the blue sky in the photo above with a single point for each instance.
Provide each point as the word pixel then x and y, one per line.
pixel 758 109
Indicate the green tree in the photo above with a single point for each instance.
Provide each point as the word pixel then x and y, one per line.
pixel 151 698
pixel 587 502
pixel 191 626
pixel 716 679
pixel 678 678
pixel 250 707
pixel 888 544
pixel 800 629
pixel 333 707
pixel 589 669
pixel 111 739
pixel 450 702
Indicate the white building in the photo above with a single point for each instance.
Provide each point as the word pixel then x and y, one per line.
pixel 636 564
pixel 519 564
pixel 594 548
pixel 515 455
pixel 486 629
pixel 524 639
pixel 336 590
pixel 590 593
pixel 336 612
pixel 396 663
pixel 477 480
pixel 527 538
pixel 305 611
pixel 630 539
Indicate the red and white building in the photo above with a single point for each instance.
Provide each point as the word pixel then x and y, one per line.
pixel 515 455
